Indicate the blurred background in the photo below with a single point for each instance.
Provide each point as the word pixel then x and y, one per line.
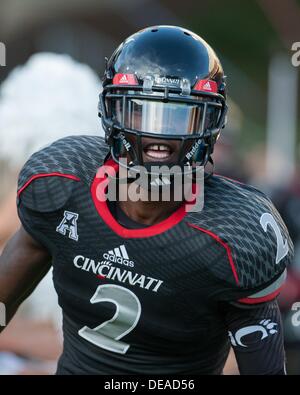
pixel 48 89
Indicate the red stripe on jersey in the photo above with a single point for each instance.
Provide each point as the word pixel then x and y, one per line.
pixel 105 214
pixel 226 246
pixel 266 298
pixel 46 175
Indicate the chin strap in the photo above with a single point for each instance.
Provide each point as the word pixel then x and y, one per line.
pixel 209 152
pixel 209 174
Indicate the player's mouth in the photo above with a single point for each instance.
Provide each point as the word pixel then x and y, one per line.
pixel 158 151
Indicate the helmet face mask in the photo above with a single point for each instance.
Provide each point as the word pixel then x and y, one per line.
pixel 181 106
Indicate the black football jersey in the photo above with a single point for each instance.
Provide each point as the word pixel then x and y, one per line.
pixel 148 300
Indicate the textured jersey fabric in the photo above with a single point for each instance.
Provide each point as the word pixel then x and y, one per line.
pixel 146 300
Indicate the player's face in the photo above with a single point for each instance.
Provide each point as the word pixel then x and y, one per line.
pixel 159 150
pixel 157 118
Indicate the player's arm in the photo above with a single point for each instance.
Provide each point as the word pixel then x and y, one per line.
pixel 43 188
pixel 252 316
pixel 256 337
pixel 23 263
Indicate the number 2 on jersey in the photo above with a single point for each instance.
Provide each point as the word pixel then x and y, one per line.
pixel 128 311
pixel 282 246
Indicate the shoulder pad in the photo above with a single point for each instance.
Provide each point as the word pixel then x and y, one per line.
pixel 46 193
pixel 256 240
pixel 48 177
pixel 79 156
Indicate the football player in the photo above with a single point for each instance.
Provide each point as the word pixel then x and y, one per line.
pixel 151 287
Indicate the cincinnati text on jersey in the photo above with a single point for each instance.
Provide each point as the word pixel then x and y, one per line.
pixel 104 269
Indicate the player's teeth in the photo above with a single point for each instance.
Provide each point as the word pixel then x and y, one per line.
pixel 158 151
pixel 158 147
pixel 164 148
pixel 158 154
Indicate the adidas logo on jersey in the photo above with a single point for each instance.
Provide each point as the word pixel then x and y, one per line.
pixel 118 255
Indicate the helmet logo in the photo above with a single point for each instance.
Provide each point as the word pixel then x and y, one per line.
pixel 126 143
pixel 193 150
pixel 125 79
pixel 166 81
pixel 206 85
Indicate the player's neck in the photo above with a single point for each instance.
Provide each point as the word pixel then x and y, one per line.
pixel 148 213
pixel 143 210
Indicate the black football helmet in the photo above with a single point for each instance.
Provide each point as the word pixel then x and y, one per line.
pixel 163 82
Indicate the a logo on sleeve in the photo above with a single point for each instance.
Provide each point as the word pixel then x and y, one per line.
pixel 265 329
pixel 68 225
